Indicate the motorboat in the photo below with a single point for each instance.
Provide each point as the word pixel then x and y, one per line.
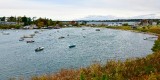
pixel 39 49
pixel 72 46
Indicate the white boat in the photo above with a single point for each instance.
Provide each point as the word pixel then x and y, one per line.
pixel 5 33
pixel 27 36
pixel 39 49
pixel 32 35
pixel 21 39
pixel 151 38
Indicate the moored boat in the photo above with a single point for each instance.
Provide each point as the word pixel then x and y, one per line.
pixel 31 41
pixel 21 39
pixel 32 35
pixel 5 33
pixel 72 46
pixel 39 49
pixel 98 30
pixel 61 37
pixel 36 31
pixel 27 36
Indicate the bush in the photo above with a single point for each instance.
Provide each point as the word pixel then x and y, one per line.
pixel 156 46
pixel 125 24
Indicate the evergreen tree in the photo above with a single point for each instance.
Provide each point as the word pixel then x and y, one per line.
pixel 3 18
pixel 24 20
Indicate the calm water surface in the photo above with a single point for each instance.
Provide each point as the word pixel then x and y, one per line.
pixel 18 58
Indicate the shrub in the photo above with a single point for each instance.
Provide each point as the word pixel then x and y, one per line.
pixel 156 46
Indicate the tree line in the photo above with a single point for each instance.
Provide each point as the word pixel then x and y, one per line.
pixel 40 22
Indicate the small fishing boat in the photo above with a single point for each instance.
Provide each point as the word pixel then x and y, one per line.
pixel 5 33
pixel 56 27
pixel 61 37
pixel 72 46
pixel 145 38
pixel 31 41
pixel 150 38
pixel 21 39
pixel 36 31
pixel 39 49
pixel 32 35
pixel 27 36
pixel 98 30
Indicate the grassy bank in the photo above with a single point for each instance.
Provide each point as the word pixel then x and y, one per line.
pixel 146 29
pixel 147 68
pixel 10 26
pixel 119 27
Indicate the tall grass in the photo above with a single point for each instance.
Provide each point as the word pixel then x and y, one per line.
pixel 155 30
pixel 120 27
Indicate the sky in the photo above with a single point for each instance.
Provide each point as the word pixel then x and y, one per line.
pixel 77 9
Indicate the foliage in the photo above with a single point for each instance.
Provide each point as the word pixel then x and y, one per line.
pixel 125 24
pixel 3 18
pixel 26 20
pixel 82 77
pixel 156 46
pixel 12 19
pixel 43 22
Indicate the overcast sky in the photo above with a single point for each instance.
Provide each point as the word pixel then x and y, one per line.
pixel 75 9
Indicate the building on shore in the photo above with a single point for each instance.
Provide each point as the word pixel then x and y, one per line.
pixel 146 22
pixel 99 23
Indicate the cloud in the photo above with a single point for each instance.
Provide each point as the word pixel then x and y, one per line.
pixel 73 9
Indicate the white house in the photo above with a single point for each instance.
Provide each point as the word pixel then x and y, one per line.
pixel 154 23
